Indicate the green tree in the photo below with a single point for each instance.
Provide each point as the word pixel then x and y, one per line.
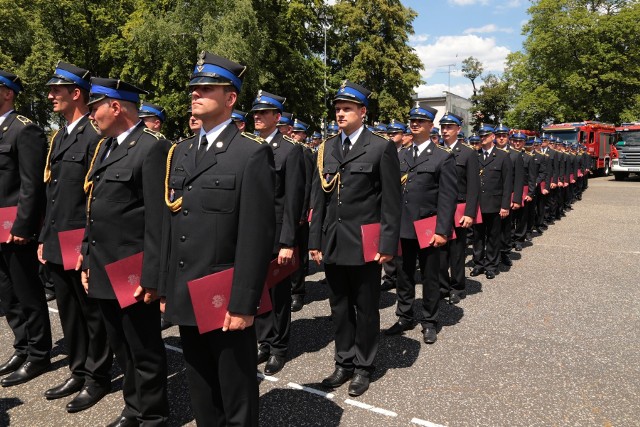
pixel 472 69
pixel 369 45
pixel 582 54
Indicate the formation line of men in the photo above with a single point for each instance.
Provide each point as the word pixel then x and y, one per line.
pixel 224 198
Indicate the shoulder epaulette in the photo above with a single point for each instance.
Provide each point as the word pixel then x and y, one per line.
pixel 442 147
pixel 184 139
pixel 253 137
pixel 469 146
pixel 94 126
pixel 289 139
pixel 153 133
pixel 502 149
pixel 24 120
pixel 530 154
pixel 380 135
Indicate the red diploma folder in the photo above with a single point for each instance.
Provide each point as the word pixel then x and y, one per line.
pixel 310 215
pixel 580 173
pixel 277 273
pixel 70 244
pixel 571 177
pixel 457 216
pixel 124 276
pixel 210 297
pixel 7 217
pixel 543 185
pixel 371 241
pixel 426 228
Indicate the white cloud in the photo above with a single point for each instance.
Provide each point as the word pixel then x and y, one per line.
pixel 434 90
pixel 489 28
pixel 447 50
pixel 418 38
pixel 468 2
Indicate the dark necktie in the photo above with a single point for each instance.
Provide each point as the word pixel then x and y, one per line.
pixel 346 147
pixel 415 153
pixel 486 154
pixel 110 145
pixel 202 149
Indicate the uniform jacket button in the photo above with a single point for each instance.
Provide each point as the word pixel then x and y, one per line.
pixel 93 242
pixel 185 212
pixel 183 238
pixel 181 264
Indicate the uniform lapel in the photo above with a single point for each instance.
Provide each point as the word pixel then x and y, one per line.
pixel 62 144
pixel 424 156
pixel 359 148
pixel 219 146
pixel 7 124
pixel 122 149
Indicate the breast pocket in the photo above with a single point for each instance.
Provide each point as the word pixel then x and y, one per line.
pixel 427 175
pixel 6 159
pixel 358 168
pixel 218 193
pixel 119 185
pixel 73 168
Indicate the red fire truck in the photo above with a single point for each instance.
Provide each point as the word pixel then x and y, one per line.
pixel 599 138
pixel 628 147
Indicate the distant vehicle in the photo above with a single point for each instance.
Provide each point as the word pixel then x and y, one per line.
pixel 628 147
pixel 599 138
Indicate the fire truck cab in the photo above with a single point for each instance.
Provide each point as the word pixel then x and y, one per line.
pixel 628 147
pixel 599 138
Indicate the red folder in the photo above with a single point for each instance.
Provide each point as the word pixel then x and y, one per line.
pixel 457 216
pixel 426 228
pixel 277 273
pixel 371 241
pixel 572 178
pixel 310 215
pixel 543 185
pixel 580 173
pixel 70 245
pixel 210 297
pixel 124 276
pixel 7 217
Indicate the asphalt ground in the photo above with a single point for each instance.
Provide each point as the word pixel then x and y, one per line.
pixel 553 341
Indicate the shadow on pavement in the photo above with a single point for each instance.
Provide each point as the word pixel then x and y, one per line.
pixel 395 352
pixel 288 407
pixel 7 403
pixel 309 335
pixel 473 287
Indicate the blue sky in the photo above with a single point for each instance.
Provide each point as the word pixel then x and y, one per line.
pixel 448 31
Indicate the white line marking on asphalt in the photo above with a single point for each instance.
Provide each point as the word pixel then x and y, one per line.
pixel 311 390
pixel 172 348
pixel 266 377
pixel 370 408
pixel 53 310
pixel 425 423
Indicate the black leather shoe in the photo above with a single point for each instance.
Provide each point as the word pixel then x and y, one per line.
pixel 387 285
pixel 274 364
pixel 476 271
pixel 455 298
pixel 297 302
pixel 539 230
pixel 263 356
pixel 399 327
pixel 67 388
pixel 164 324
pixel 528 237
pixel 88 396
pixel 49 296
pixel 359 384
pixel 26 372
pixel 543 227
pixel 490 274
pixel 123 421
pixel 518 247
pixel 12 364
pixel 506 260
pixel 429 334
pixel 339 377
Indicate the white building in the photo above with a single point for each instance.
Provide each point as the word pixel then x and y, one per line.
pixel 452 103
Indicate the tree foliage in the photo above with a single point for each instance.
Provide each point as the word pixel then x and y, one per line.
pixel 155 43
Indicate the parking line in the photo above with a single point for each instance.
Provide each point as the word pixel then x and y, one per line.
pixel 311 390
pixel 425 423
pixel 370 408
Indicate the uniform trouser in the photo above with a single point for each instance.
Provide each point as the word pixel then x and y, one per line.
pixel 134 336
pixel 85 337
pixel 540 202
pixel 354 296
pixel 452 256
pixel 429 260
pixel 390 271
pixel 552 201
pixel 273 328
pixel 579 186
pixel 521 221
pixel 559 201
pixel 221 374
pixel 298 277
pixel 506 232
pixel 23 301
pixel 531 214
pixel 486 242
